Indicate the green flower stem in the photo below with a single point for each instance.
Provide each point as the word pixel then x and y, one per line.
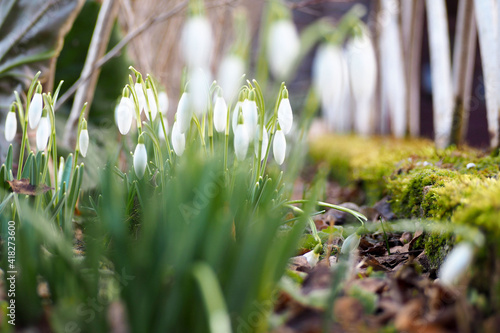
pixel 361 218
pixel 200 130
pixel 162 122
pixel 312 225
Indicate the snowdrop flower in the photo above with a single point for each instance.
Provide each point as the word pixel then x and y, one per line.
pixel 140 158
pixel 184 113
pixel 230 72
pixel 220 114
pixel 163 101
pixel 11 125
pixel 279 147
pixel 241 140
pixel 36 108
pixel 312 257
pixel 197 41
pixel 178 139
pixel 124 114
pixel 285 114
pixel 161 133
pixel 60 170
pixel 152 104
pixel 43 133
pixel 141 98
pixel 363 77
pixel 456 264
pixel 199 82
pixel 350 244
pixel 283 47
pixel 330 78
pixel 470 165
pixel 250 116
pixel 83 140
pixel 265 143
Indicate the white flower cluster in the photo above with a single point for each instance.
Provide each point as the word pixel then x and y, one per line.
pixel 39 119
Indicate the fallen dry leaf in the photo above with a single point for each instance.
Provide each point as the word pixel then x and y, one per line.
pixel 23 186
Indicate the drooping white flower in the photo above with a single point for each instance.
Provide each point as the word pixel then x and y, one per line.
pixel 250 115
pixel 331 80
pixel 163 101
pixel 311 257
pixel 241 141
pixel 124 114
pixel 10 126
pixel 161 133
pixel 456 264
pixel 350 244
pixel 84 142
pixel 43 133
pixel 178 139
pixel 285 115
pixel 184 113
pixel 199 92
pixel 279 147
pixel 283 47
pixel 141 98
pixel 197 41
pixel 230 72
pixel 60 170
pixel 265 143
pixel 152 104
pixel 140 159
pixel 35 110
pixel 362 65
pixel 220 114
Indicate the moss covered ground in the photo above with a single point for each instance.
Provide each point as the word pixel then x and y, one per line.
pixel 457 186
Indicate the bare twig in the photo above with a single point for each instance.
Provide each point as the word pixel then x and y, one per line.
pixel 100 39
pixel 131 35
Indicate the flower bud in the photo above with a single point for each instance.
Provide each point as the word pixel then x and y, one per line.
pixel 197 41
pixel 283 47
pixel 184 113
pixel 140 158
pixel 124 114
pixel 43 133
pixel 220 114
pixel 152 104
pixel 83 141
pixel 279 147
pixel 11 125
pixel 231 70
pixel 241 141
pixel 178 139
pixel 285 114
pixel 36 108
pixel 456 264
pixel 351 243
pixel 141 98
pixel 163 101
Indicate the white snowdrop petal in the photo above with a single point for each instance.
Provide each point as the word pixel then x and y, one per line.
pixel 124 115
pixel 43 133
pixel 279 147
pixel 184 113
pixel 197 42
pixel 285 115
pixel 140 160
pixel 229 76
pixel 152 104
pixel 240 142
pixel 250 115
pixel 163 101
pixel 311 257
pixel 35 110
pixel 10 126
pixel 456 264
pixel 84 142
pixel 220 114
pixel 350 244
pixel 283 46
pixel 199 82
pixel 178 140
